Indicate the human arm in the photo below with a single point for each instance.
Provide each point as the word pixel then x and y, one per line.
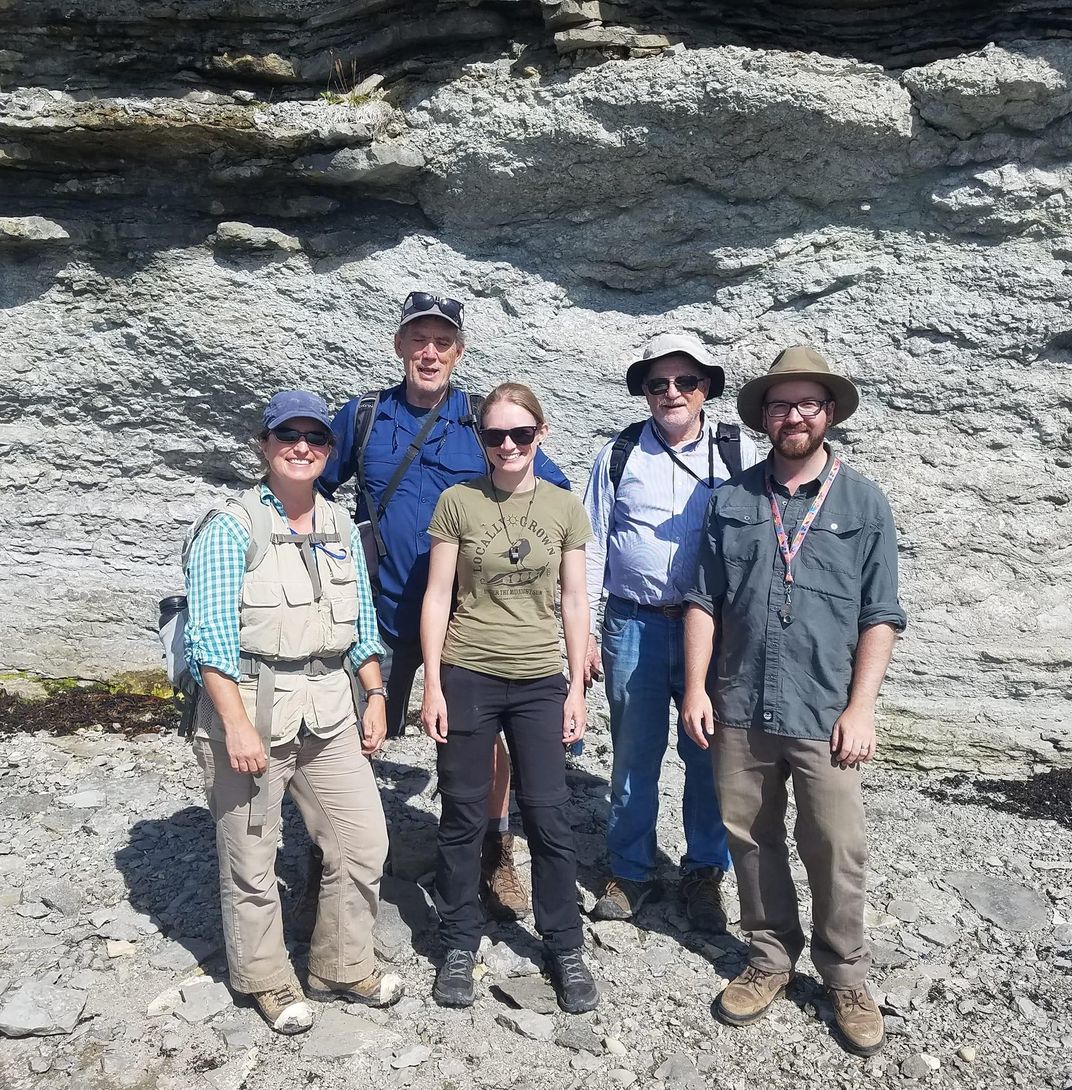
pixel 435 615
pixel 342 462
pixel 571 574
pixel 697 714
pixel 245 750
pixel 853 737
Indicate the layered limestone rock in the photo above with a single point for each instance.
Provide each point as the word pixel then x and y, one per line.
pixel 169 258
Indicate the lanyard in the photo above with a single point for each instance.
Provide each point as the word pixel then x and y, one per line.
pixel 788 551
pixel 710 482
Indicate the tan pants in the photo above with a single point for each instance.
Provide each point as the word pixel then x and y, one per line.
pixel 751 772
pixel 333 786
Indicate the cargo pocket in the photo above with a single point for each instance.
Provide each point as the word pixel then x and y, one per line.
pixel 344 614
pixel 262 617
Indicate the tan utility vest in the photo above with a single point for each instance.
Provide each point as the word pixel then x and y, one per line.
pixel 300 630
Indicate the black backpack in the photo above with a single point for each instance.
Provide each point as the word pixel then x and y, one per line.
pixel 728 437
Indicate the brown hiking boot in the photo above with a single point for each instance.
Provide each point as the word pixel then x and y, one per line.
pixel 622 898
pixel 859 1019
pixel 284 1008
pixel 501 887
pixel 702 893
pixel 748 997
pixel 378 989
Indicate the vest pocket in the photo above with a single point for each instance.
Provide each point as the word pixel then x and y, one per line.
pixel 298 594
pixel 344 612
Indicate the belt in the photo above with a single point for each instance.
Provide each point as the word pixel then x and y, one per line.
pixel 674 610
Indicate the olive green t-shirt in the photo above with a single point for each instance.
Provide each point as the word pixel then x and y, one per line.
pixel 505 622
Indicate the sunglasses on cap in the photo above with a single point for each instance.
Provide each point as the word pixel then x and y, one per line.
pixel 421 302
pixel 315 438
pixel 521 437
pixel 685 384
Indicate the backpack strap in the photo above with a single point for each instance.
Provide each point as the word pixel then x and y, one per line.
pixel 363 421
pixel 729 446
pixel 623 447
pixel 260 517
pixel 474 403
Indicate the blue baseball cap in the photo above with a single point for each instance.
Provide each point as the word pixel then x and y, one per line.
pixel 290 404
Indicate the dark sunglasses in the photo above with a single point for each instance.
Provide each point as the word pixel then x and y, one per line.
pixel 313 438
pixel 521 437
pixel 418 302
pixel 685 384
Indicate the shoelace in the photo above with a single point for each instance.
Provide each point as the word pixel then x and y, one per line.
pixel 459 963
pixel 852 997
pixel 573 969
pixel 507 876
pixel 285 995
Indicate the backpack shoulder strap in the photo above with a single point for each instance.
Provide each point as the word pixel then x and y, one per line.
pixel 363 421
pixel 471 418
pixel 728 437
pixel 260 518
pixel 344 523
pixel 623 447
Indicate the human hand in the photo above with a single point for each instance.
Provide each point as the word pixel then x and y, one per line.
pixel 853 738
pixel 373 725
pixel 698 717
pixel 245 750
pixel 434 715
pixel 574 716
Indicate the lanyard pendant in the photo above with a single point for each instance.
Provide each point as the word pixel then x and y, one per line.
pixel 786 612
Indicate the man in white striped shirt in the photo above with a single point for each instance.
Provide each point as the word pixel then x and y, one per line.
pixel 647 517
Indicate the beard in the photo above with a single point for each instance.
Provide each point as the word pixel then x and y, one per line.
pixel 798 445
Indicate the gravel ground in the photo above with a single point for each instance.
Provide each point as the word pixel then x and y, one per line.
pixel 110 940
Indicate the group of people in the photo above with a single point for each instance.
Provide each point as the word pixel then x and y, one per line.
pixel 757 596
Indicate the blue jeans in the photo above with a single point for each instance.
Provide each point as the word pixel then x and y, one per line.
pixel 644 666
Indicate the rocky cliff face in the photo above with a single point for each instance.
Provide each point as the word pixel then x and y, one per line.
pixel 200 206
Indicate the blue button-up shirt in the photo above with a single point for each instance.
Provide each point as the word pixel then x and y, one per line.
pixel 794 679
pixel 647 533
pixel 450 455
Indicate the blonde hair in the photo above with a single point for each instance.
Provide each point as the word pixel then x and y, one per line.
pixel 517 394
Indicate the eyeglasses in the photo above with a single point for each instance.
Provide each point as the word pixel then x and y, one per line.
pixel 685 384
pixel 418 302
pixel 316 438
pixel 809 407
pixel 521 437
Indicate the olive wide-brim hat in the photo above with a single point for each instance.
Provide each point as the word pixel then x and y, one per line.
pixel 798 362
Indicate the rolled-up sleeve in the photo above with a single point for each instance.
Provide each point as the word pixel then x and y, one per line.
pixel 214 574
pixel 709 586
pixel 879 603
pixel 366 632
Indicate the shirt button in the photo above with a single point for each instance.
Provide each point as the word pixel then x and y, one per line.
pixel 768 716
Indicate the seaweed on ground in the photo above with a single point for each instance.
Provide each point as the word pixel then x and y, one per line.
pixel 1044 795
pixel 92 706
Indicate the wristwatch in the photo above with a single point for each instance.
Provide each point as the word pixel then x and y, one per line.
pixel 378 691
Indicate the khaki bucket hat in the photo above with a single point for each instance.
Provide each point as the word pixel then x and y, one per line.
pixel 673 344
pixel 798 362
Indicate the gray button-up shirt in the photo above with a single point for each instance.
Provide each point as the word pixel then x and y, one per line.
pixel 794 679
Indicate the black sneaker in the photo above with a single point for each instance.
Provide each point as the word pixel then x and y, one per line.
pixel 623 897
pixel 573 983
pixel 454 984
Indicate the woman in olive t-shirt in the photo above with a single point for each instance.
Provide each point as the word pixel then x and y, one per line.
pixel 494 665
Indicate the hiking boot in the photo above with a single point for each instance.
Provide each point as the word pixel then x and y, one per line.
pixel 454 985
pixel 702 893
pixel 622 898
pixel 501 887
pixel 284 1008
pixel 378 989
pixel 573 983
pixel 859 1019
pixel 748 997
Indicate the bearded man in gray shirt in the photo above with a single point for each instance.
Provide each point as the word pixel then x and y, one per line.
pixel 796 597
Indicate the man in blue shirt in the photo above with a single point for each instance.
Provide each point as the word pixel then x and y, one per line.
pixel 430 342
pixel 647 528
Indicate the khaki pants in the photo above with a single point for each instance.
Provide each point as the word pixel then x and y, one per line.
pixel 333 786
pixel 751 772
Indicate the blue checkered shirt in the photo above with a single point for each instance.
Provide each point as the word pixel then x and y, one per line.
pixel 214 574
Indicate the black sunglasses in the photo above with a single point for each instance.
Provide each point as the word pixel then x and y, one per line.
pixel 685 384
pixel 521 437
pixel 316 438
pixel 418 302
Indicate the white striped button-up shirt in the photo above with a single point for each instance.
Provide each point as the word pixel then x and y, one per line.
pixel 647 534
